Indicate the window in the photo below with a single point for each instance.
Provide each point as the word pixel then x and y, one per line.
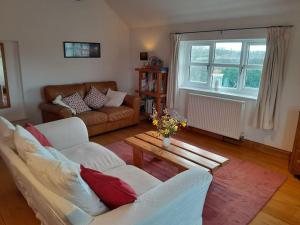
pixel 233 66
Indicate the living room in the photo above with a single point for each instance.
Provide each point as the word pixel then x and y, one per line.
pixel 246 123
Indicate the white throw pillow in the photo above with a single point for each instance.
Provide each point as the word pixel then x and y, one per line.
pixel 114 98
pixel 58 101
pixel 59 156
pixel 64 179
pixel 7 133
pixel 26 144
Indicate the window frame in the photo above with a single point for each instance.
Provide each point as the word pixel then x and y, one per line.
pixel 241 89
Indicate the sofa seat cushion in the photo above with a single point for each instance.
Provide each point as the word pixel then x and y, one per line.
pixel 93 156
pixel 93 117
pixel 139 180
pixel 117 113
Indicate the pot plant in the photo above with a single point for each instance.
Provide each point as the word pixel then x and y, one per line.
pixel 167 124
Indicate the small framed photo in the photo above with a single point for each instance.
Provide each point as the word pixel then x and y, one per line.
pixel 82 50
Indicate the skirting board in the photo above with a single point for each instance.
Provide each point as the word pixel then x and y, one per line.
pixel 244 142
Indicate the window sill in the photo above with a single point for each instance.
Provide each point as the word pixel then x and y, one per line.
pixel 220 94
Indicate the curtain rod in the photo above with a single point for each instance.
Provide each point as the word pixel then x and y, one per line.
pixel 230 29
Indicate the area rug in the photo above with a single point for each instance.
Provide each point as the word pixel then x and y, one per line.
pixel 238 192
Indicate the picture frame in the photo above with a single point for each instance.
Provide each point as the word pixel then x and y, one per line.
pixel 81 49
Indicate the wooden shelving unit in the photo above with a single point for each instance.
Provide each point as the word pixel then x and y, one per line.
pixel 152 85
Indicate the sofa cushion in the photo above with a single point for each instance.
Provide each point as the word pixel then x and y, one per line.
pixel 102 86
pixel 94 156
pixel 58 101
pixel 139 180
pixel 63 178
pixel 27 144
pixel 93 117
pixel 95 99
pixel 76 102
pixel 52 91
pixel 38 135
pixel 7 133
pixel 113 191
pixel 114 98
pixel 117 113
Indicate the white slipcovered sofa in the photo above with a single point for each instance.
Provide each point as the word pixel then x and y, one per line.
pixel 178 201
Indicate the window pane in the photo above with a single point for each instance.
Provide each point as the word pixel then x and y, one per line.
pixel 198 74
pixel 253 78
pixel 200 54
pixel 230 76
pixel 257 54
pixel 228 52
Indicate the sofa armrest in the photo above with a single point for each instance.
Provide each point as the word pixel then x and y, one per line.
pixel 61 111
pixel 178 201
pixel 65 133
pixel 135 103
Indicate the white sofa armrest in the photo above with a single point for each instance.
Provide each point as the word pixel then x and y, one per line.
pixel 178 201
pixel 65 133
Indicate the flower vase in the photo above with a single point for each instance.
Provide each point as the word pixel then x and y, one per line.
pixel 166 141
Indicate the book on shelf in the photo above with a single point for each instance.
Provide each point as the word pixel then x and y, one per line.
pixel 149 83
pixel 149 105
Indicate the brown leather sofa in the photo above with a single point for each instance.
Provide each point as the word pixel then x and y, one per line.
pixel 97 121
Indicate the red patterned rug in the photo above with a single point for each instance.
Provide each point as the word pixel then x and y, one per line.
pixel 238 192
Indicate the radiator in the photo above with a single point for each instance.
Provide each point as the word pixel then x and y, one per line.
pixel 217 115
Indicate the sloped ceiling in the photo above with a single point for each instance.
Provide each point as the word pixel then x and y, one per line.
pixel 145 13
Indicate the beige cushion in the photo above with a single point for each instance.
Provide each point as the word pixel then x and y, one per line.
pixel 27 144
pixel 114 98
pixel 63 178
pixel 7 133
pixel 94 156
pixel 117 113
pixel 93 117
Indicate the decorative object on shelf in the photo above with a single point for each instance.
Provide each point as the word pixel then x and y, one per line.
pixel 155 62
pixel 167 124
pixel 144 56
pixel 82 50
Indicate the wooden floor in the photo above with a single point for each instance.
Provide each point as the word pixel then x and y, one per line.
pixel 282 209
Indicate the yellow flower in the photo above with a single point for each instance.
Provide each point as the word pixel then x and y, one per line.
pixel 176 128
pixel 183 123
pixel 155 122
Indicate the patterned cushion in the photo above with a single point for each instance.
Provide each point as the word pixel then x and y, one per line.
pixel 95 99
pixel 76 102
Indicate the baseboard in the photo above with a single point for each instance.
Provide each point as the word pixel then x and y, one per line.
pixel 244 142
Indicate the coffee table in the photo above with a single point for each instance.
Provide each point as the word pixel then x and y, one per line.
pixel 181 154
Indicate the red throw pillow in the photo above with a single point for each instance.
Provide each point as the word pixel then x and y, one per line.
pixel 38 135
pixel 111 190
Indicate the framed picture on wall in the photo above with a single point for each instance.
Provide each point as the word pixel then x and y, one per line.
pixel 81 50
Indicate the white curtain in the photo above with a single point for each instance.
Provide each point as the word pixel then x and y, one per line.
pixel 172 92
pixel 266 111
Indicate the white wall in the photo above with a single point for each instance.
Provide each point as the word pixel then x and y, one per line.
pixel 156 41
pixel 40 27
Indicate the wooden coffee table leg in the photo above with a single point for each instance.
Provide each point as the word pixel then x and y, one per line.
pixel 138 160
